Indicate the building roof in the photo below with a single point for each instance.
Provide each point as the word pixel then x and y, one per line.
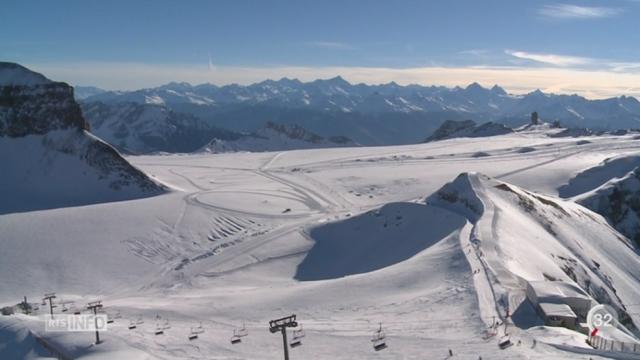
pixel 552 291
pixel 550 309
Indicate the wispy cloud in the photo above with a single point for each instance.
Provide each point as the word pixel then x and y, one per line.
pixel 550 59
pixel 569 11
pixel 625 66
pixel 330 45
pixel 594 83
pixel 474 52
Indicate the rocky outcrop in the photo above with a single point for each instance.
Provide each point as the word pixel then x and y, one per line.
pixel 36 107
pixel 49 157
pixel 467 128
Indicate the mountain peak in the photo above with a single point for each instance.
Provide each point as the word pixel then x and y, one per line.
pixel 174 85
pixel 498 90
pixel 12 74
pixel 460 195
pixel 474 86
pixel 287 81
pixel 338 80
pixel 536 93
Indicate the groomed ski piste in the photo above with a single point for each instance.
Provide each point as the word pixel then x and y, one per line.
pixel 434 241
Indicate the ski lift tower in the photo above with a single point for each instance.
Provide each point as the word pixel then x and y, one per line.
pixel 282 325
pixel 95 306
pixel 50 297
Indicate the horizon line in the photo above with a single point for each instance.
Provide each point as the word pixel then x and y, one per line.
pixel 550 80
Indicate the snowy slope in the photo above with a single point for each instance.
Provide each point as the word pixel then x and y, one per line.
pixel 250 237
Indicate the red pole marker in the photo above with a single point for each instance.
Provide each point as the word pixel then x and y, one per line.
pixel 594 331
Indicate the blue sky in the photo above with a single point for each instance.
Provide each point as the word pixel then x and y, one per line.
pixel 589 47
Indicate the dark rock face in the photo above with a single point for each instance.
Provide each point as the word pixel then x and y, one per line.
pixel 619 203
pixel 450 127
pixel 295 132
pixel 38 109
pixel 47 146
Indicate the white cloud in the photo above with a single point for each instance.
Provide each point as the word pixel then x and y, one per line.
pixel 594 83
pixel 569 11
pixel 551 59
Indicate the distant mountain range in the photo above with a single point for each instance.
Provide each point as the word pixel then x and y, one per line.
pixel 368 114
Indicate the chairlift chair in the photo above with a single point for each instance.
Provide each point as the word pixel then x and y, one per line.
pixel 243 331
pixel 504 342
pixel 235 339
pixel 195 331
pixel 295 343
pixel 378 339
pixel 297 337
pixel 198 329
pixel 132 325
pixel 238 334
pixel 159 329
pixel 380 345
pixel 192 335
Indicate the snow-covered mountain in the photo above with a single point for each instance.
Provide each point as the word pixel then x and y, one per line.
pixel 144 128
pixel 276 137
pixel 49 159
pixel 525 237
pixel 336 95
